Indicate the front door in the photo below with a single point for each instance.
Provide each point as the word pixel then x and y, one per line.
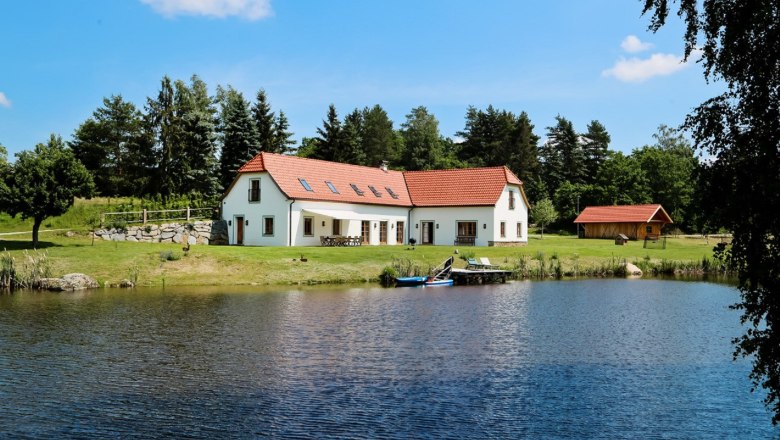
pixel 427 233
pixel 365 231
pixel 382 232
pixel 239 230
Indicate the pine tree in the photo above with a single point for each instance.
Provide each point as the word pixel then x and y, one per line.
pixel 283 142
pixel 197 115
pixel 380 142
pixel 422 141
pixel 265 122
pixel 351 150
pixel 116 148
pixel 563 156
pixel 329 143
pixel 162 120
pixel 238 134
pixel 596 146
pixel 522 156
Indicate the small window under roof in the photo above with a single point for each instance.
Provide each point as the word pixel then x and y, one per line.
pixel 357 190
pixel 332 188
pixel 373 190
pixel 305 184
pixel 391 192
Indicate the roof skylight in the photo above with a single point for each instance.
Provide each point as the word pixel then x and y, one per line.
pixel 332 188
pixel 357 190
pixel 391 192
pixel 305 184
pixel 373 190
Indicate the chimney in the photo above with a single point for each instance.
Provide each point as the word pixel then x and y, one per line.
pixel 383 167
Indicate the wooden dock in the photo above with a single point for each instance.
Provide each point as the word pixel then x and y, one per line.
pixel 486 276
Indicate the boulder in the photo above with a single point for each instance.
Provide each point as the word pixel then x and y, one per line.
pixel 71 281
pixel 632 270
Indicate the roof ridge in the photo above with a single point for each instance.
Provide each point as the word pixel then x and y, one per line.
pixel 311 159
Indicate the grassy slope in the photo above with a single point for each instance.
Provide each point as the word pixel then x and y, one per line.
pixel 227 265
pixel 77 217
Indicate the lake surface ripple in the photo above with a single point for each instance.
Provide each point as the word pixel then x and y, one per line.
pixel 578 359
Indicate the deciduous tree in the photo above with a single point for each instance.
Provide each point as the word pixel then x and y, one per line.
pixel 44 183
pixel 543 213
pixel 739 42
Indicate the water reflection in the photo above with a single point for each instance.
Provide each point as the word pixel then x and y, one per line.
pixel 600 358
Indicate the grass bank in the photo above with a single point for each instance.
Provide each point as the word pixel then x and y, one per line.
pixel 166 264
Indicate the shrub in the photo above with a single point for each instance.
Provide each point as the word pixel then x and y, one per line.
pixel 169 256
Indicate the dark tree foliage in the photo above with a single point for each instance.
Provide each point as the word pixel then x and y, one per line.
pixel 380 142
pixel 498 137
pixel 283 141
pixel 330 143
pixel 621 181
pixel 422 141
pixel 351 149
pixel 5 173
pixel 196 115
pixel 669 167
pixel 562 156
pixel 44 183
pixel 238 134
pixel 740 45
pixel 265 121
pixel 596 147
pixel 116 148
pixel 162 120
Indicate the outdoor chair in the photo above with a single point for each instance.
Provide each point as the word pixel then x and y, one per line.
pixel 486 263
pixel 472 264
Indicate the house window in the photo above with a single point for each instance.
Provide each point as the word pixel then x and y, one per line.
pixel 519 229
pixel 305 184
pixel 336 226
pixel 373 190
pixel 254 190
pixel 649 229
pixel 467 229
pixel 308 226
pixel 332 188
pixel 503 229
pixel 399 232
pixel 511 200
pixel 365 231
pixel 268 226
pixel 358 191
pixel 390 191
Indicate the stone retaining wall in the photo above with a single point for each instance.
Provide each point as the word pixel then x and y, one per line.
pixel 200 232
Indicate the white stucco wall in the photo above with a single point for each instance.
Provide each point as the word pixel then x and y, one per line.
pixel 511 217
pixel 273 203
pixel 447 219
pixel 349 227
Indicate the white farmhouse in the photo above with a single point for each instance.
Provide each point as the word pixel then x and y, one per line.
pixel 279 200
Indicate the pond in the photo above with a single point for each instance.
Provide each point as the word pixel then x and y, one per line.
pixel 570 359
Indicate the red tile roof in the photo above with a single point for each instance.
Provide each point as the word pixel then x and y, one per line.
pixel 286 170
pixel 624 214
pixel 457 187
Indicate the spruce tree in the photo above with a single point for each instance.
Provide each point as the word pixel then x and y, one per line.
pixel 162 120
pixel 380 142
pixel 238 134
pixel 330 140
pixel 351 150
pixel 596 146
pixel 422 141
pixel 283 141
pixel 265 122
pixel 197 116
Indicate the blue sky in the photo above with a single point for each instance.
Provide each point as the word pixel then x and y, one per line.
pixel 583 60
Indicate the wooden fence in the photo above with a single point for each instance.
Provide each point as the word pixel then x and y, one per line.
pixel 145 215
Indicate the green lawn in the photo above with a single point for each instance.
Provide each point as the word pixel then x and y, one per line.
pixel 228 265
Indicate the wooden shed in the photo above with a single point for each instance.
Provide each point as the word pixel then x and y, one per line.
pixel 634 221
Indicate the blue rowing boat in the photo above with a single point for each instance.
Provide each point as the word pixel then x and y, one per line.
pixel 433 283
pixel 410 281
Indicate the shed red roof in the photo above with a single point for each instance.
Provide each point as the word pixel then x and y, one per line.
pixel 624 214
pixel 457 187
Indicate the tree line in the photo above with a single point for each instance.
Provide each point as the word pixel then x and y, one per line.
pixel 188 142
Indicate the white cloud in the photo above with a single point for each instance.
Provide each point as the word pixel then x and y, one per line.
pixel 632 44
pixel 247 9
pixel 638 70
pixel 4 101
